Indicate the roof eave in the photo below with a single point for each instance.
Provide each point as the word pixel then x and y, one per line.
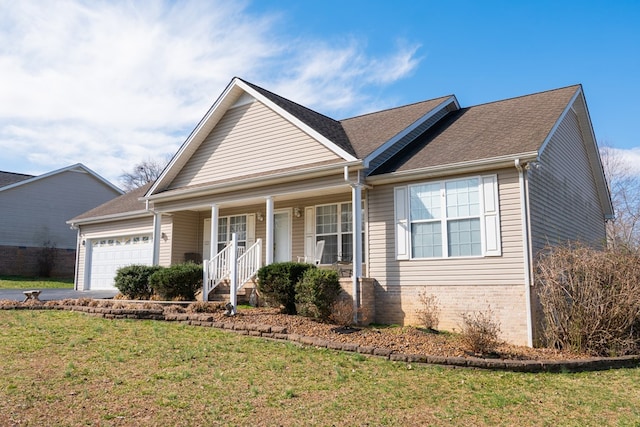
pixel 273 179
pixel 453 168
pixel 108 218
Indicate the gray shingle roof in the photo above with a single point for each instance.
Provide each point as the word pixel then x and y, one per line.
pixel 8 178
pixel 369 131
pixel 501 128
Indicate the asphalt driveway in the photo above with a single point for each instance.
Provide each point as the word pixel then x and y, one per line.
pixel 56 294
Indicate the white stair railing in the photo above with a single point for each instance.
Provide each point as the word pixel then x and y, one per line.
pixel 220 267
pixel 216 270
pixel 249 263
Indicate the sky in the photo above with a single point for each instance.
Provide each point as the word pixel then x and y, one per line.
pixel 113 83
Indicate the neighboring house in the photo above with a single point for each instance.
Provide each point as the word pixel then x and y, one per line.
pixel 454 201
pixel 34 211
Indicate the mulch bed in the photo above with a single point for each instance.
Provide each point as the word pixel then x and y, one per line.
pixel 403 344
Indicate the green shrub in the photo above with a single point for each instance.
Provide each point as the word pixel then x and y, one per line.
pixel 277 283
pixel 316 292
pixel 178 282
pixel 133 281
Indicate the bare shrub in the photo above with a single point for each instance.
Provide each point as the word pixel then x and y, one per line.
pixel 429 311
pixel 343 313
pixel 479 331
pixel 590 299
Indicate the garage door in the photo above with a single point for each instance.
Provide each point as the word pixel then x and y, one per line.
pixel 108 255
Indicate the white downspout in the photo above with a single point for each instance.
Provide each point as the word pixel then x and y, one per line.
pixel 524 213
pixel 356 203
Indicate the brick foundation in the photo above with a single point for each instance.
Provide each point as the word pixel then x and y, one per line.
pixel 23 261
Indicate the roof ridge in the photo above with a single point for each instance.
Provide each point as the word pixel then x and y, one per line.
pixel 577 85
pixel 394 108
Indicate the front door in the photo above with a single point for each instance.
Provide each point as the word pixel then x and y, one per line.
pixel 282 236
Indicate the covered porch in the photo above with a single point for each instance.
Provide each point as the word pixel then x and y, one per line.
pixel 314 225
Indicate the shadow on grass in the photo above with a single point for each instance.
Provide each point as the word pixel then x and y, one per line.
pixel 21 282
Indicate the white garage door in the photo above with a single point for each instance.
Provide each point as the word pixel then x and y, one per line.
pixel 108 255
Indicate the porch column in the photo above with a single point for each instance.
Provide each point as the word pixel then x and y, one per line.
pixel 213 238
pixel 356 200
pixel 270 226
pixel 157 235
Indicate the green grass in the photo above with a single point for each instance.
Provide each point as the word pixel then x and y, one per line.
pixel 19 282
pixel 66 368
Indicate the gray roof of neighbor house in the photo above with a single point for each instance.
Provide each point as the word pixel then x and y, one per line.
pixel 501 128
pixel 8 178
pixel 125 204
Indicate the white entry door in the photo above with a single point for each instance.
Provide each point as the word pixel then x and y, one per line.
pixel 282 236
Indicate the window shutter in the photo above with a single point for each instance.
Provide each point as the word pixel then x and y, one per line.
pixel 401 204
pixel 251 229
pixel 309 232
pixel 491 216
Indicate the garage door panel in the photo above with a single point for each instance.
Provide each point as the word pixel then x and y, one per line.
pixel 108 255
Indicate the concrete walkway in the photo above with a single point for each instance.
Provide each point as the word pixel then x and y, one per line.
pixel 56 294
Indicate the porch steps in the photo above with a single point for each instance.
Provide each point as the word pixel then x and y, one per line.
pixel 221 293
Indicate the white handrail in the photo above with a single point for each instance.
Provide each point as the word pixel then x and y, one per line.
pixel 249 263
pixel 218 269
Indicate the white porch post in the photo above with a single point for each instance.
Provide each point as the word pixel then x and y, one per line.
pixel 157 235
pixel 233 274
pixel 213 238
pixel 356 200
pixel 270 226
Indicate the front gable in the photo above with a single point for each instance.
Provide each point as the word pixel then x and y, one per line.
pixel 251 139
pixel 248 133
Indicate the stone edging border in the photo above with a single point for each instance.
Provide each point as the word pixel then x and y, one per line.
pixel 281 333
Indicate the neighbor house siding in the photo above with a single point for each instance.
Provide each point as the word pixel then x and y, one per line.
pixel 250 139
pixel 564 204
pixel 36 212
pixel 460 284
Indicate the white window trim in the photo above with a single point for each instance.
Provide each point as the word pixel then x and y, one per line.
pixel 489 219
pixel 250 231
pixel 311 236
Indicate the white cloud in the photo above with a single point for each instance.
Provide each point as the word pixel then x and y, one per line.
pixel 110 84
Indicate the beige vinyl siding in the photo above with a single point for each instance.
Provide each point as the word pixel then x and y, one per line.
pixel 250 139
pixel 184 236
pixel 505 269
pixel 461 285
pixel 564 205
pixel 36 212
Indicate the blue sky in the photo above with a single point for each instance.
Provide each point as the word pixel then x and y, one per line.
pixel 110 84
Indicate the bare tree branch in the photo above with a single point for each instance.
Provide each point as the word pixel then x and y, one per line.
pixel 144 172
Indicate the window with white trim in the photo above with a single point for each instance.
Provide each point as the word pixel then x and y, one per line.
pixel 334 225
pixel 228 225
pixel 446 219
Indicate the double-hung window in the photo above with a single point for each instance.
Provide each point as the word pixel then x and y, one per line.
pixel 334 225
pixel 232 224
pixel 445 219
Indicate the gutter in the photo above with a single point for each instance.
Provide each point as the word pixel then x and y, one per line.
pixel 453 168
pixel 526 250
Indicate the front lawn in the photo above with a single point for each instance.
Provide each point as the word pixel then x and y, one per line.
pixel 66 368
pixel 19 282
